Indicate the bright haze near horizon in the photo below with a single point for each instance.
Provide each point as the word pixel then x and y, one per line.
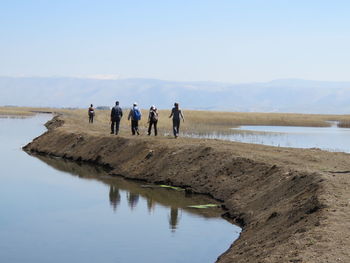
pixel 219 42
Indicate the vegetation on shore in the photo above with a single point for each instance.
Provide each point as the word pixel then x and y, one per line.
pixel 196 122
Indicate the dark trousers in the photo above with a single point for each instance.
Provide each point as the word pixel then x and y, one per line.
pixel 134 127
pixel 154 123
pixel 91 118
pixel 115 123
pixel 176 127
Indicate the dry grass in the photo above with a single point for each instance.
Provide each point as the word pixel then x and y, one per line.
pixel 344 124
pixel 14 112
pixel 23 111
pixel 196 122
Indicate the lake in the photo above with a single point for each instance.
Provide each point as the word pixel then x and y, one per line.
pixel 52 210
pixel 326 138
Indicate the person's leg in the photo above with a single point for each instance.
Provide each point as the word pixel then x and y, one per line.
pixel 133 127
pixel 174 128
pixel 137 127
pixel 178 127
pixel 112 127
pixel 155 128
pixel 117 123
pixel 149 128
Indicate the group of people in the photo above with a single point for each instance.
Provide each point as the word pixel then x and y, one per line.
pixel 135 116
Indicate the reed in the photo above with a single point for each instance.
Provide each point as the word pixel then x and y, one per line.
pixel 196 122
pixel 344 124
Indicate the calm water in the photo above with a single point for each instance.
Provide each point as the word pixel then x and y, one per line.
pixel 57 211
pixel 326 138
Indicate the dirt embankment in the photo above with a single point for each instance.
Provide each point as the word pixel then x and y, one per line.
pixel 293 204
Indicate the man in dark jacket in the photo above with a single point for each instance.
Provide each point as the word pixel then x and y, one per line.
pixel 116 115
pixel 176 114
pixel 152 120
pixel 91 113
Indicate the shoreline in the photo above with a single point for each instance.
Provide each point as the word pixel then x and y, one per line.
pixel 280 196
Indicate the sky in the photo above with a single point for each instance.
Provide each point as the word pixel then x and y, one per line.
pixel 223 40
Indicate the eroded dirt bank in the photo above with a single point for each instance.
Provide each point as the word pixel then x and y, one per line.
pixel 293 204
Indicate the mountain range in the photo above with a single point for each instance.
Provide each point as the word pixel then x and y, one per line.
pixel 285 95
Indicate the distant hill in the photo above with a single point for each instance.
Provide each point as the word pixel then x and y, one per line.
pixel 286 95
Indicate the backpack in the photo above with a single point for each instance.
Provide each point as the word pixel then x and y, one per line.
pixel 136 114
pixel 154 116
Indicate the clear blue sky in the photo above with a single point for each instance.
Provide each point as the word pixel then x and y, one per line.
pixel 218 40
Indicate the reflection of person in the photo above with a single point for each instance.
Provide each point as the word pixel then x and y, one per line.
pixel 176 114
pixel 114 196
pixel 152 120
pixel 116 115
pixel 132 199
pixel 91 113
pixel 150 204
pixel 174 218
pixel 135 116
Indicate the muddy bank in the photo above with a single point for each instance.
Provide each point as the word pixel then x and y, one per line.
pixel 281 198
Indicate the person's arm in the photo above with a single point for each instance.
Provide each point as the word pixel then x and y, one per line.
pixel 121 113
pixel 182 116
pixel 172 112
pixel 112 114
pixel 130 113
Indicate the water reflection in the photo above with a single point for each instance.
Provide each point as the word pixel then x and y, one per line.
pixel 78 213
pixel 330 138
pixel 114 197
pixel 173 218
pixel 118 188
pixel 150 204
pixel 132 199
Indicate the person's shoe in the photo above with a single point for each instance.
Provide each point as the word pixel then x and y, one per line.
pixel 112 132
pixel 138 133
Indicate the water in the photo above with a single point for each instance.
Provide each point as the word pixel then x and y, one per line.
pixel 57 211
pixel 326 138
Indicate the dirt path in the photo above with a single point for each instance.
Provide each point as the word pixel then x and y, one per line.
pixel 293 204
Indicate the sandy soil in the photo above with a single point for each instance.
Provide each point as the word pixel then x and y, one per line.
pixel 293 204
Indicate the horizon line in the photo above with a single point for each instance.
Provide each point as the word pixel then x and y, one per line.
pixel 108 77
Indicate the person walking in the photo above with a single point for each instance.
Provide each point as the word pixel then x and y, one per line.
pixel 116 116
pixel 153 120
pixel 91 113
pixel 134 116
pixel 176 113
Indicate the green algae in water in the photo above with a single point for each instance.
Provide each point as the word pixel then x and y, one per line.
pixel 163 186
pixel 204 206
pixel 172 187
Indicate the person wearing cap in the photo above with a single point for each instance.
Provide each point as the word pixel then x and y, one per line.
pixel 176 113
pixel 134 116
pixel 153 120
pixel 91 113
pixel 116 116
